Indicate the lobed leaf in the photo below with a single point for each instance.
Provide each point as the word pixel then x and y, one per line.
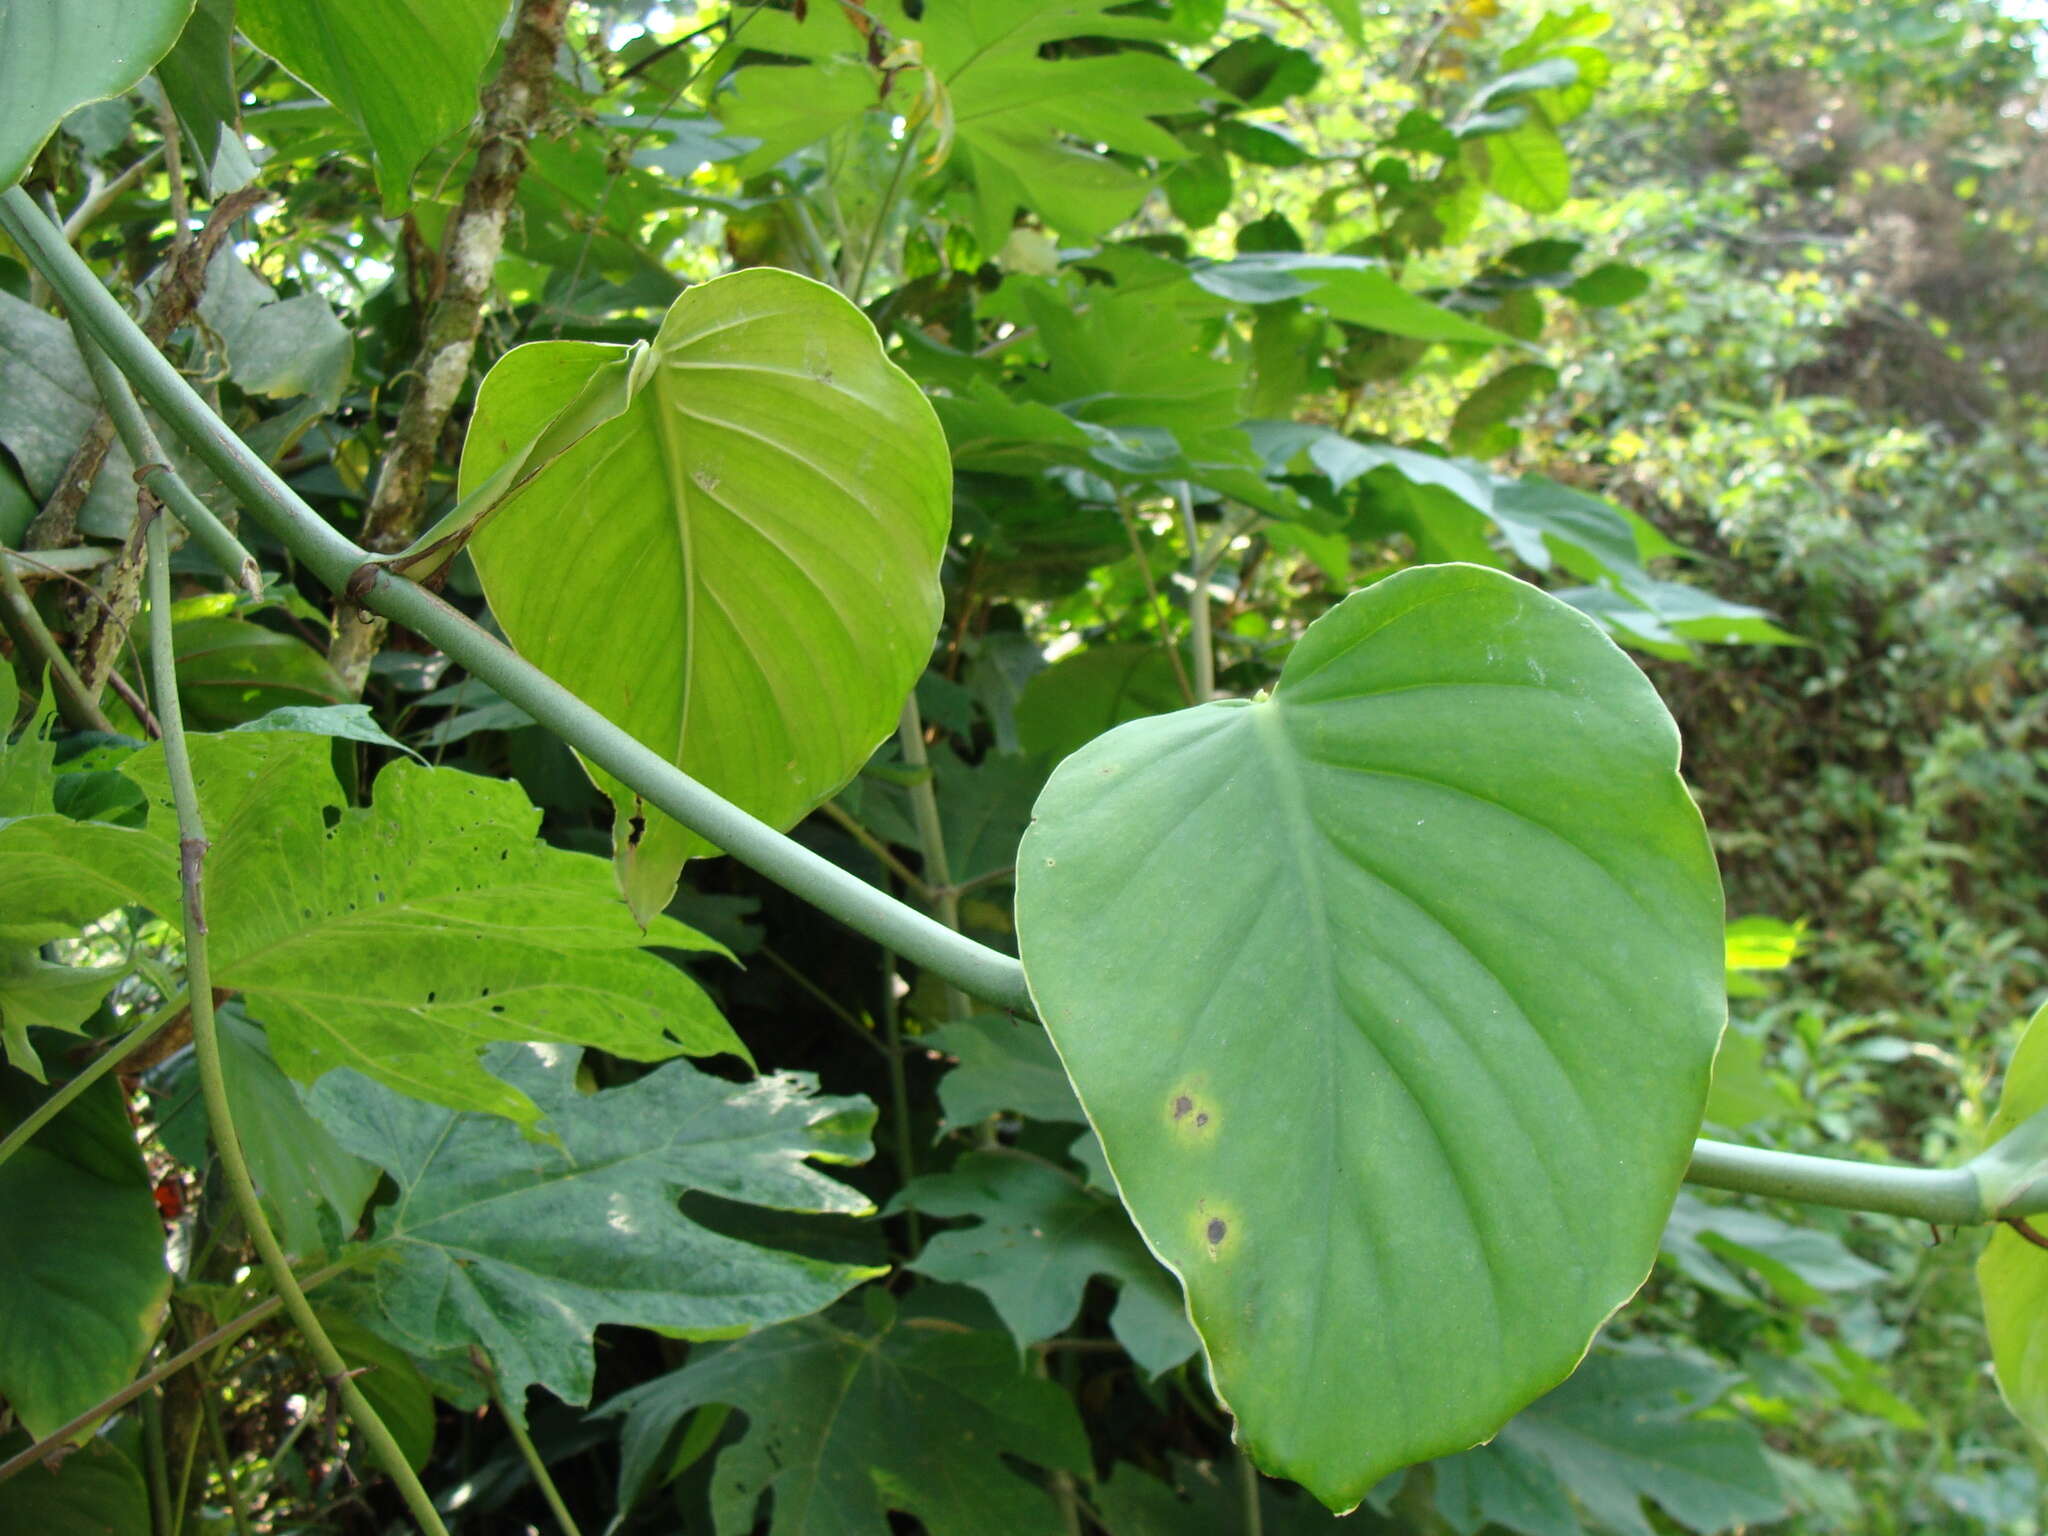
pixel 525 1248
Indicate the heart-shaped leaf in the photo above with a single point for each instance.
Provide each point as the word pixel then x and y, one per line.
pixel 741 568
pixel 1394 1000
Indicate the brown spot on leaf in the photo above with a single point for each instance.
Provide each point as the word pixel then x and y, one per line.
pixel 1181 1106
pixel 1201 1120
pixel 1218 1230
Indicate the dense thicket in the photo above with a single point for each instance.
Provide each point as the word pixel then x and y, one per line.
pixel 1722 322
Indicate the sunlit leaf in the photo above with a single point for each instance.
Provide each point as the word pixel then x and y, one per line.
pixel 413 933
pixel 742 569
pixel 1023 123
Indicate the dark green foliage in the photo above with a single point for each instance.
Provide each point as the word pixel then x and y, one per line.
pixel 1721 324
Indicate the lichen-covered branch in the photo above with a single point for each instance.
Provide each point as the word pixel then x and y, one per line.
pixel 513 104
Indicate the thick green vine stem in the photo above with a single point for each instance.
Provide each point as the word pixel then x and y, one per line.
pixel 1925 1194
pixel 206 1051
pixel 1943 1196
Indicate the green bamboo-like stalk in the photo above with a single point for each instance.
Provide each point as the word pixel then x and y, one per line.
pixel 1946 1197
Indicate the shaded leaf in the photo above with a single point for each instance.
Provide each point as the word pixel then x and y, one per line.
pixel 231 671
pixel 1610 284
pixel 1083 694
pixel 1801 1264
pixel 199 78
pixel 1209 1498
pixel 1620 1432
pixel 857 1413
pixel 47 403
pixel 83 1258
pixel 301 1173
pixel 525 1247
pixel 1004 1065
pixel 1042 1234
pixel 97 1491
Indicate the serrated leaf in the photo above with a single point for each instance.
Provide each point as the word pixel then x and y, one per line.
pixel 84 1258
pixel 857 1413
pixel 400 940
pixel 753 588
pixel 55 56
pixel 1472 941
pixel 2012 1274
pixel 525 1247
pixel 1042 1235
pixel 405 73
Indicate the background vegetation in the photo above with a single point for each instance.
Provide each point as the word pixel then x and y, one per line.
pixel 1782 267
